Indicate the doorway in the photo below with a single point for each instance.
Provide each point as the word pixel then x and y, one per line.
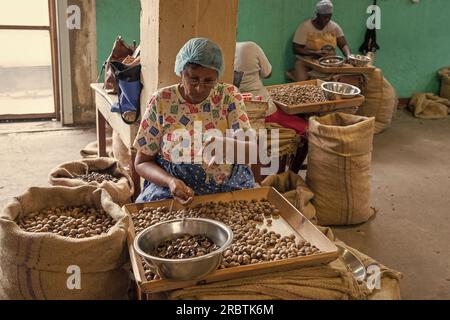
pixel 29 86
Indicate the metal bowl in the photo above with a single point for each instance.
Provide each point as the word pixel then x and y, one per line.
pixel 333 61
pixel 339 90
pixel 353 263
pixel 183 269
pixel 358 60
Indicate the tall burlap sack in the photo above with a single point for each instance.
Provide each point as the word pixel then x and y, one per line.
pixel 35 265
pixel 120 191
pixel 381 100
pixel 295 190
pixel 444 74
pixel 121 152
pixel 91 149
pixel 428 106
pixel 340 151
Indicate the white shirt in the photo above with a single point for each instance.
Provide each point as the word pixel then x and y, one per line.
pixel 252 61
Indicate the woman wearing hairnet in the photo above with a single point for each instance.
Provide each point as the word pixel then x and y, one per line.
pixel 199 98
pixel 317 37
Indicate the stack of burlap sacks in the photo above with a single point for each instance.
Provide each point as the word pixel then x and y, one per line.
pixel 429 106
pixel 256 112
pixel 288 142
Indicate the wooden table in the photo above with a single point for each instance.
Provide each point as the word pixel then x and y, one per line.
pixel 127 133
pixel 345 68
pixel 319 107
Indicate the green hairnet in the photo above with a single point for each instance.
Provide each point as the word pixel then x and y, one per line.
pixel 200 51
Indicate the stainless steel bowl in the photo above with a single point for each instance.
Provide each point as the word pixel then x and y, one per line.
pixel 339 90
pixel 183 269
pixel 333 61
pixel 358 60
pixel 353 263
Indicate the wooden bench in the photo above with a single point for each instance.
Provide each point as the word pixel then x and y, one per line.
pixel 127 133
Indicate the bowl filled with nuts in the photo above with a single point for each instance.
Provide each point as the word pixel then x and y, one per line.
pixel 339 90
pixel 332 61
pixel 358 60
pixel 184 249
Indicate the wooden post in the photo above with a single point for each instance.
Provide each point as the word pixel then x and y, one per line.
pixel 166 25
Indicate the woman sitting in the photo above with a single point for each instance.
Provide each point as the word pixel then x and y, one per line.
pixel 167 157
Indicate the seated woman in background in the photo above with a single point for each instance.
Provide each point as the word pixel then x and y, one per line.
pixel 198 97
pixel 317 38
pixel 252 66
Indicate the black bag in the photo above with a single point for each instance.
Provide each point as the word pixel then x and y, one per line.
pixel 129 87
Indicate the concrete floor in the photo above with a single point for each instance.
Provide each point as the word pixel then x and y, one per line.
pixel 410 190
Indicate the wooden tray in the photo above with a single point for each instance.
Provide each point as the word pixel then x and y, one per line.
pixel 291 221
pixel 320 107
pixel 345 68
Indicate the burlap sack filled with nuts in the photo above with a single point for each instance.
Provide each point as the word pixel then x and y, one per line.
pixel 295 190
pixel 340 152
pixel 45 265
pixel 288 142
pixel 380 100
pixel 95 172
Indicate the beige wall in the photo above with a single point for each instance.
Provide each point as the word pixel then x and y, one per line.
pixel 166 25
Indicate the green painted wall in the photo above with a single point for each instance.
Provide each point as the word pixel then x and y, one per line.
pixel 414 38
pixel 116 17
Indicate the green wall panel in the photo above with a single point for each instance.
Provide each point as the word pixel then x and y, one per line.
pixel 116 17
pixel 414 38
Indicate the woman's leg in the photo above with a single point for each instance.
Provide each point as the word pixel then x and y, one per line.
pixel 301 71
pixel 285 120
pixel 300 126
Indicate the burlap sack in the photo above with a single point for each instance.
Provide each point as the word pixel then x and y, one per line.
pixel 295 190
pixel 444 74
pixel 35 265
pixel 429 106
pixel 91 149
pixel 340 151
pixel 120 191
pixel 380 100
pixel 121 152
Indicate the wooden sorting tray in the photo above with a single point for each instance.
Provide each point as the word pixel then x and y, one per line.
pixel 345 68
pixel 319 107
pixel 291 221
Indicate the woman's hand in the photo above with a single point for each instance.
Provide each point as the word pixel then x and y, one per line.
pixel 181 192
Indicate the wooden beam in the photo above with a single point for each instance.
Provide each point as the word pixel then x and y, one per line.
pixel 17 27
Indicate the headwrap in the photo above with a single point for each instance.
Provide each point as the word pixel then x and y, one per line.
pixel 324 7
